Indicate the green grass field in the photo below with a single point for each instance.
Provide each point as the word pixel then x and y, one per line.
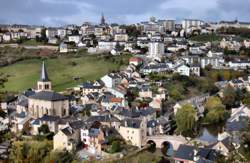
pixel 61 70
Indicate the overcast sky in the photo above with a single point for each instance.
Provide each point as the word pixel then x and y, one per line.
pixel 61 12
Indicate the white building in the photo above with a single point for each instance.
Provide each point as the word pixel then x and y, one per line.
pixel 188 23
pixel 74 38
pixel 121 37
pixel 239 64
pixel 6 37
pixel 156 49
pixel 183 70
pixel 61 32
pixel 106 45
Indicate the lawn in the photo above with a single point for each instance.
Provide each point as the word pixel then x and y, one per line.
pixel 61 70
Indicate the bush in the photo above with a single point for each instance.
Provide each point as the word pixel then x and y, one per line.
pixel 116 147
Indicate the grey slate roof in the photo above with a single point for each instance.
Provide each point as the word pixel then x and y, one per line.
pixel 186 152
pixel 49 118
pixel 68 131
pixel 132 123
pixel 48 96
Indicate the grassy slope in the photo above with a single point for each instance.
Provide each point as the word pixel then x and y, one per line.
pixel 24 74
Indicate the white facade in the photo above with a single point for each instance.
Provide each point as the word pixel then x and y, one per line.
pixel 106 46
pixel 156 49
pixel 121 37
pixel 188 23
pixel 74 38
pixel 183 70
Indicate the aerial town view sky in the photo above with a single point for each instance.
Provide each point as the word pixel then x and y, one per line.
pixel 59 12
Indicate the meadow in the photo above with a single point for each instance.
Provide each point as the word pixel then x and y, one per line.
pixel 62 71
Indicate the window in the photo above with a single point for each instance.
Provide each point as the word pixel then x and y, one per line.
pixel 46 86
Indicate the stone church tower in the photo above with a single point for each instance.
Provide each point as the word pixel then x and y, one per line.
pixel 44 84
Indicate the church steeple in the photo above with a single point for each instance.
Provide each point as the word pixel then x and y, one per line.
pixel 44 75
pixel 103 22
pixel 44 83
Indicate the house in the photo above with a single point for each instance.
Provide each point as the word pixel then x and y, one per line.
pixel 145 92
pixel 133 131
pixel 215 62
pixel 189 154
pixel 195 70
pixel 113 102
pixel 121 37
pixel 237 113
pixel 20 122
pixel 238 120
pixel 230 44
pixel 135 61
pixel 240 64
pixel 74 38
pixel 51 32
pixel 156 104
pixel 61 32
pixel 119 91
pixel 183 70
pixel 111 80
pixel 224 146
pixel 238 83
pixel 89 87
pixel 7 37
pixel 65 139
pixel 106 45
pixel 146 113
pixel 93 138
pixel 66 47
pixel 51 121
pixel 159 126
pixel 53 41
pixel 105 120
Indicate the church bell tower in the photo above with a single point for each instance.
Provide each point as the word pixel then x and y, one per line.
pixel 44 84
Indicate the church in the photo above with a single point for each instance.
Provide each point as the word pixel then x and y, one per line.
pixel 45 101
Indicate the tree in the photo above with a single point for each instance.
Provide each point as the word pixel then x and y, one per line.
pixel 185 118
pixel 213 103
pixel 246 100
pixel 229 97
pixel 215 111
pixel 30 151
pixel 116 147
pixel 44 129
pixel 216 115
pixel 60 156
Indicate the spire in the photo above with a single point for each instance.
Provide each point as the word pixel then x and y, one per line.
pixel 44 75
pixel 103 20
